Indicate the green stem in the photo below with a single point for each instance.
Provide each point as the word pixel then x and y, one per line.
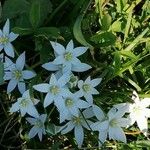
pixel 55 11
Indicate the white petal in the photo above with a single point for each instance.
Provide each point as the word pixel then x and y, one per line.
pixel 43 87
pixel 81 67
pixel 15 107
pixel 80 84
pixel 59 60
pixel 102 136
pixel 79 51
pixel 6 28
pixel 1 47
pixel 33 132
pixel 12 36
pixel 96 81
pixel 32 121
pixel 43 117
pixel 116 133
pixel 11 85
pixel 124 122
pixel 53 80
pixel 142 124
pixel 48 99
pixel 33 112
pixel 7 75
pixel 21 87
pixel 40 135
pixel 68 127
pixel 145 102
pixel 82 104
pixel 147 112
pixel 70 46
pixel 94 91
pixel 9 50
pixel 20 62
pixel 79 135
pixel 28 74
pixel 98 112
pixel 88 113
pixel 89 98
pixel 58 48
pixel 50 66
pixel 64 79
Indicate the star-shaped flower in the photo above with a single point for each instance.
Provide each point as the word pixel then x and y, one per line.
pixel 6 38
pixel 66 59
pixel 38 126
pixel 77 123
pixel 25 104
pixel 139 112
pixel 55 89
pixel 87 88
pixel 110 125
pixel 70 105
pixel 16 74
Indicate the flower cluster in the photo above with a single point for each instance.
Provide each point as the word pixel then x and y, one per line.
pixel 73 97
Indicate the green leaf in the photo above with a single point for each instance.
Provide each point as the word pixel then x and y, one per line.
pixel 143 143
pixel 39 11
pixel 48 32
pixel 120 5
pixel 22 31
pixel 12 8
pixel 117 62
pixel 1 73
pixel 77 31
pixel 106 22
pixel 53 129
pixel 35 13
pixel 104 38
pixel 118 26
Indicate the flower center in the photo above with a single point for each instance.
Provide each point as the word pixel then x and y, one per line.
pixel 68 56
pixel 4 40
pixel 17 74
pixel 86 87
pixel 137 110
pixel 54 89
pixel 24 103
pixel 39 124
pixel 113 123
pixel 69 102
pixel 77 120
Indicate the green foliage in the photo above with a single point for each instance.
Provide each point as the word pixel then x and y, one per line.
pixel 118 36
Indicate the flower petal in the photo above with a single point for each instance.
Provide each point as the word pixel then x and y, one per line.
pixel 70 46
pixel 6 28
pixel 33 112
pixel 20 62
pixel 59 60
pixel 53 80
pixel 79 135
pixel 28 74
pixel 9 50
pixel 14 107
pixel 102 136
pixel 96 81
pixel 33 132
pixel 12 36
pixel 145 102
pixel 79 51
pixel 50 66
pixel 7 76
pixel 81 67
pixel 64 79
pixel 21 87
pixel 48 99
pixel 68 127
pixel 43 87
pixel 32 121
pixel 11 85
pixel 58 48
pixel 82 104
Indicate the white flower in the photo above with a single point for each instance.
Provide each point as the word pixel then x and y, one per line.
pixel 16 74
pixel 6 38
pixel 38 126
pixel 70 105
pixel 87 88
pixel 25 104
pixel 66 59
pixel 110 125
pixel 77 123
pixel 139 112
pixel 55 89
